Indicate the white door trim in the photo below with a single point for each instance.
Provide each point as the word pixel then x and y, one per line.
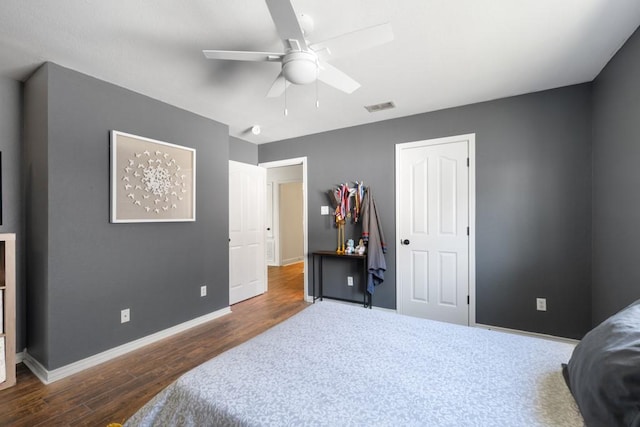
pixel 471 138
pixel 303 162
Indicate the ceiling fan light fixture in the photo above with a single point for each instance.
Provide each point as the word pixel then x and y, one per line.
pixel 300 68
pixel 255 129
pixel 304 62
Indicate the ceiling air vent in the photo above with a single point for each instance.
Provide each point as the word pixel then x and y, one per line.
pixel 380 107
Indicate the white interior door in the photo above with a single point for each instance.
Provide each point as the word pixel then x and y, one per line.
pixel 247 266
pixel 432 180
pixel 270 242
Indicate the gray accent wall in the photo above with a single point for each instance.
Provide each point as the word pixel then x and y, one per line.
pixel 82 269
pixel 12 212
pixel 243 151
pixel 533 201
pixel 35 176
pixel 616 182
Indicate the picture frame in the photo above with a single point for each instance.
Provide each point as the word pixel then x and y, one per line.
pixel 151 181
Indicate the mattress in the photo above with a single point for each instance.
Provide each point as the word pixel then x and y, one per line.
pixel 336 364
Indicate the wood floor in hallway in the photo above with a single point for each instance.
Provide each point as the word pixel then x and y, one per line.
pixel 113 391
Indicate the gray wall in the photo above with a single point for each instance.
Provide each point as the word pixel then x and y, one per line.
pixel 243 151
pixel 12 213
pixel 616 182
pixel 83 269
pixel 533 201
pixel 36 172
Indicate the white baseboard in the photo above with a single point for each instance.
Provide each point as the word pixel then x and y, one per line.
pixel 528 334
pixel 37 368
pixel 309 298
pixel 19 357
pixel 292 261
pixel 388 310
pixel 48 377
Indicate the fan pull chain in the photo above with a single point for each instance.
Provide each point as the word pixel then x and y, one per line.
pixel 317 75
pixel 286 112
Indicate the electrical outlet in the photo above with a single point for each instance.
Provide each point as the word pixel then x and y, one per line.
pixel 324 210
pixel 125 315
pixel 541 304
pixel 203 290
pixel 349 280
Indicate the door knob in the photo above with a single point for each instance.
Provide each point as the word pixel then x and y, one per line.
pixel 405 242
pixel 268 228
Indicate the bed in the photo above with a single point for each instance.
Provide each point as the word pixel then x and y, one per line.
pixel 337 364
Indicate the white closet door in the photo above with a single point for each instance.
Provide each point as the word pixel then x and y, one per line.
pixel 433 256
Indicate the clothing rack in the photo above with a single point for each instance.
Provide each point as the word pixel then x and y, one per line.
pixel 343 208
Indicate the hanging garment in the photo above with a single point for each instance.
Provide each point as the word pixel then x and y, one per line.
pixel 374 239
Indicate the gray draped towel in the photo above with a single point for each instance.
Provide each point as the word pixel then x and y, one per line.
pixel 374 239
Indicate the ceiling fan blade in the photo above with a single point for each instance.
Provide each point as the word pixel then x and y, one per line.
pixel 278 87
pixel 287 23
pixel 355 41
pixel 240 55
pixel 336 78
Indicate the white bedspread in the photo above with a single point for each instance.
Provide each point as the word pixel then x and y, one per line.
pixel 335 364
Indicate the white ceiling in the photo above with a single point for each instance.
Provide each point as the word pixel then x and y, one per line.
pixel 446 53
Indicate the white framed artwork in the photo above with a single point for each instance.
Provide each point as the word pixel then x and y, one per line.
pixel 151 181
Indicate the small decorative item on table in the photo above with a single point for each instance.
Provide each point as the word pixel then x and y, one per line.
pixel 350 247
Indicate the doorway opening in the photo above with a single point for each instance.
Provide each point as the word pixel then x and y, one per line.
pixel 286 217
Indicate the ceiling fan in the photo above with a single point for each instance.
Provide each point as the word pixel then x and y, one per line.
pixel 304 62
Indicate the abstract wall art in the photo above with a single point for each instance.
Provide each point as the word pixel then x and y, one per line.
pixel 151 181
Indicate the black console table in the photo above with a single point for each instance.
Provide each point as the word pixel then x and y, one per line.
pixel 367 297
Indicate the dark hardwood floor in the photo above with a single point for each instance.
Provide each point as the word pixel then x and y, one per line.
pixel 113 391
